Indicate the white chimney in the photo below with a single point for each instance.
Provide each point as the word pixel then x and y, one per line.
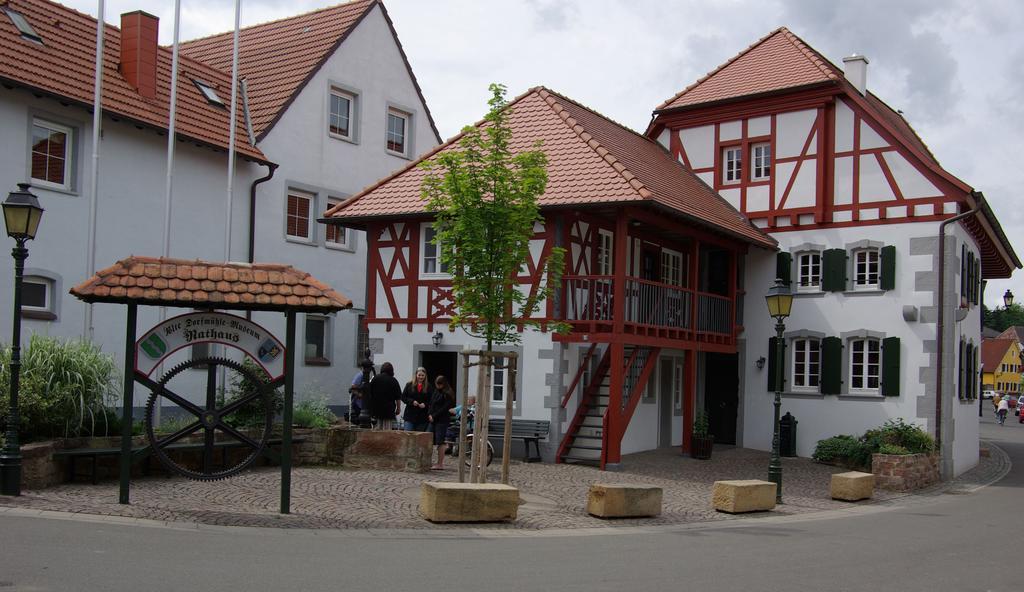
pixel 856 71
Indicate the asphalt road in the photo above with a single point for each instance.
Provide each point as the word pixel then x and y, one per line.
pixel 949 542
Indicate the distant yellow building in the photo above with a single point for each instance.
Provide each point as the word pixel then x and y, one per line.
pixel 1001 365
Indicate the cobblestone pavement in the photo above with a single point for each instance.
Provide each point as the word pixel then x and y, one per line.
pixel 554 496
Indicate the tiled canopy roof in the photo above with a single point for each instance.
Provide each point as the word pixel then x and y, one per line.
pixel 64 66
pixel 197 284
pixel 278 58
pixel 592 161
pixel 992 353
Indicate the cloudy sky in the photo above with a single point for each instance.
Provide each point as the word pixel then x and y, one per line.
pixel 954 67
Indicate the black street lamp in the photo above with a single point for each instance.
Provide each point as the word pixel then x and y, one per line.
pixel 780 302
pixel 21 217
pixel 1008 298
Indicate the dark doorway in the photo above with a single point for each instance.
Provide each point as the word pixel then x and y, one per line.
pixel 721 395
pixel 441 363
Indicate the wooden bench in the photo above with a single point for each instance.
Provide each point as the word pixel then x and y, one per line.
pixel 73 454
pixel 527 430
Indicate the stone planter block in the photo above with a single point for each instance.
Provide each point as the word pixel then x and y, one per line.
pixel 469 502
pixel 615 500
pixel 906 472
pixel 736 497
pixel 852 486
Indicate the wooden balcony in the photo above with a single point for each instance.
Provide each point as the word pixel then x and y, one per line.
pixel 651 310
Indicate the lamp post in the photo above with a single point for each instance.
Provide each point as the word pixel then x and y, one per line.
pixel 780 302
pixel 21 217
pixel 1008 298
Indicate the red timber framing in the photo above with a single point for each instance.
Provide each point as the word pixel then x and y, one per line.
pixel 818 151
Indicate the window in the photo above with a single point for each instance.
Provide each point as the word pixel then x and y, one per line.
pixel 865 269
pixel 604 252
pixel 733 167
pixel 499 380
pixel 316 353
pixel 432 264
pixel 809 271
pixel 209 94
pixel 35 293
pixel 51 154
pixel 806 364
pixel 398 132
pixel 671 268
pixel 677 385
pixel 334 235
pixel 761 162
pixel 298 219
pixel 23 26
pixel 362 338
pixel 342 120
pixel 865 365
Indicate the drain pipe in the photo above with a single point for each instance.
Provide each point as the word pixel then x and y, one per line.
pixel 252 209
pixel 940 325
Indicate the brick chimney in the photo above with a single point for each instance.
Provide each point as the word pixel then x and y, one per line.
pixel 856 71
pixel 139 32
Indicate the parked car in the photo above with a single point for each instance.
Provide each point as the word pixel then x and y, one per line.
pixel 988 394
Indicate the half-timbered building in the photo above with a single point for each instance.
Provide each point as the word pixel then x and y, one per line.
pixel 652 276
pixel 857 203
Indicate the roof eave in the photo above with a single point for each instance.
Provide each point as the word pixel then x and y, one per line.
pixel 747 97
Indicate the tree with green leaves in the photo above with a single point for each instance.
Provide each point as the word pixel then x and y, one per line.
pixel 485 198
pixel 1002 319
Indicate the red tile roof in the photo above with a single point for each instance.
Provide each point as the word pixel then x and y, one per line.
pixel 992 353
pixel 591 161
pixel 1015 332
pixel 777 61
pixel 64 66
pixel 197 284
pixel 279 58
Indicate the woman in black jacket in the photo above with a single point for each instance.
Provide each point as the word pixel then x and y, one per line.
pixel 385 394
pixel 416 396
pixel 441 404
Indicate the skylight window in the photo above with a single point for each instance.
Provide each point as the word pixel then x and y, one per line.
pixel 24 28
pixel 210 94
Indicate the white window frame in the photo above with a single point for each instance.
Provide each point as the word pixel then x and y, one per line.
pixel 732 165
pixel 345 244
pixel 605 260
pixel 805 262
pixel 865 374
pixel 761 161
pixel 877 264
pixel 807 348
pixel 325 346
pixel 678 384
pixel 671 267
pixel 68 154
pixel 351 98
pixel 498 389
pixel 440 272
pixel 407 119
pixel 311 197
pixel 47 293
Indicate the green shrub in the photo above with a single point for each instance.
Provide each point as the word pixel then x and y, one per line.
pixel 896 432
pixel 65 388
pixel 892 449
pixel 313 413
pixel 252 413
pixel 843 450
pixel 700 424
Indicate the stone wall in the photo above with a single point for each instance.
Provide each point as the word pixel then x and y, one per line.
pixel 907 472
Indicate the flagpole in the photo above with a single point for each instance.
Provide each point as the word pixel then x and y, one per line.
pixel 97 122
pixel 168 192
pixel 231 133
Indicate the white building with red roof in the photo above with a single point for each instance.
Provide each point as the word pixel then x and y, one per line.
pixel 327 104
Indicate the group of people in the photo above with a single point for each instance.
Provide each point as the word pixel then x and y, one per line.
pixel 429 407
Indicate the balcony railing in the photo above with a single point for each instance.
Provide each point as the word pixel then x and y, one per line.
pixel 589 302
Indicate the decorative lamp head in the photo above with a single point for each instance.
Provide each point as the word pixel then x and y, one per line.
pixel 780 300
pixel 22 213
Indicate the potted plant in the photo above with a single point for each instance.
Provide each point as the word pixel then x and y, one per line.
pixel 702 441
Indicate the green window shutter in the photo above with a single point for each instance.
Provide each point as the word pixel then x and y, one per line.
pixel 831 366
pixel 888 279
pixel 961 372
pixel 772 361
pixel 891 366
pixel 833 272
pixel 784 267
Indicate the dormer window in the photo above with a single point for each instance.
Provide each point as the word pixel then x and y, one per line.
pixel 210 94
pixel 23 26
pixel 732 169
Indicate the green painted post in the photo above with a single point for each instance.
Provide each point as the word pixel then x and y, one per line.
pixel 128 400
pixel 286 429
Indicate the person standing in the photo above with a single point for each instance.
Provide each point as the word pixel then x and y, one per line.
pixel 416 397
pixel 439 415
pixel 385 397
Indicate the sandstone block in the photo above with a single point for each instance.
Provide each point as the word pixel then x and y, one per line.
pixel 750 495
pixel 616 500
pixel 852 486
pixel 469 502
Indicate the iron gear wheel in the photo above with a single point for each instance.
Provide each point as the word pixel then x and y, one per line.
pixel 210 420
